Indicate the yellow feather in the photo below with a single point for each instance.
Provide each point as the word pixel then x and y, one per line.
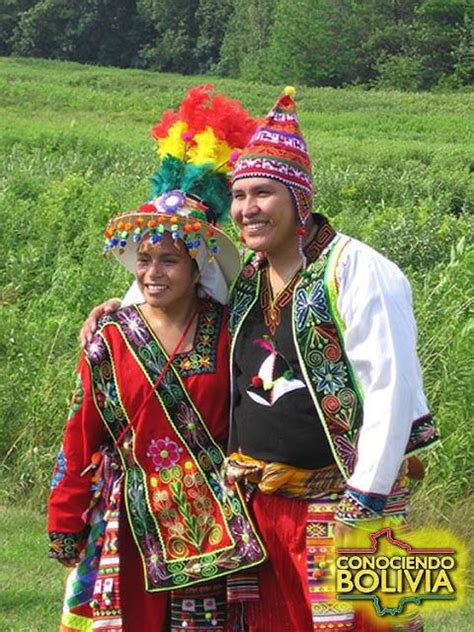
pixel 173 144
pixel 209 148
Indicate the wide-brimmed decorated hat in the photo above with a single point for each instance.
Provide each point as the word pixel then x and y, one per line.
pixel 184 218
pixel 197 147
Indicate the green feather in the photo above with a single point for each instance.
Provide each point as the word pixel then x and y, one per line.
pixel 200 180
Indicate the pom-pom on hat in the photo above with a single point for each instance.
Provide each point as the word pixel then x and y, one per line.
pixel 278 150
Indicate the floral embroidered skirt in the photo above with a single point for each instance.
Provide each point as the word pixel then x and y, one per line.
pixel 115 599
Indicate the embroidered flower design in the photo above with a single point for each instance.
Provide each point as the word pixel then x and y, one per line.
pixel 330 377
pixel 242 531
pixel 240 303
pixel 346 451
pixel 314 303
pixel 171 202
pixel 106 395
pixel 189 424
pixel 96 349
pixel 163 452
pixel 202 504
pixel 153 559
pixel 134 326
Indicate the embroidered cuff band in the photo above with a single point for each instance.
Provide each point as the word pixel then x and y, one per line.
pixel 357 506
pixel 66 546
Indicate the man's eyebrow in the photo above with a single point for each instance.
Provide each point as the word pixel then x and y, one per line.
pixel 254 188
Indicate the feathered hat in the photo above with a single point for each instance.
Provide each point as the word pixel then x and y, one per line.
pixel 197 146
pixel 278 150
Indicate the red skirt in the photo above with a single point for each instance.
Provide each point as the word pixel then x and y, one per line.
pixel 294 595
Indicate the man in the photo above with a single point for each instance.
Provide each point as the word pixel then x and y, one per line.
pixel 327 389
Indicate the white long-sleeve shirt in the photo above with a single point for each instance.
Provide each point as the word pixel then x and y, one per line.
pixel 375 304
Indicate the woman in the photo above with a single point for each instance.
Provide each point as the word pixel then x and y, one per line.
pixel 139 507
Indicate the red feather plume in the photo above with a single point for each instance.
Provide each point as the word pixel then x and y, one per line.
pixel 200 109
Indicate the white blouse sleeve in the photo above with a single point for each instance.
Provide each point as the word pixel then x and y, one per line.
pixel 375 304
pixel 133 295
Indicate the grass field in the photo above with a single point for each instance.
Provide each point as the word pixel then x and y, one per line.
pixel 394 169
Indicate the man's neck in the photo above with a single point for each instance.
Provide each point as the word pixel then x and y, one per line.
pixel 285 259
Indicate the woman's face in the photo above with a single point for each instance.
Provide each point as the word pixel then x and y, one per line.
pixel 165 273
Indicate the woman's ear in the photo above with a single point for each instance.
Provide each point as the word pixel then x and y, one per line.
pixel 196 272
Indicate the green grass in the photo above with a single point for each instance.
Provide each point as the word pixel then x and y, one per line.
pixel 32 584
pixel 394 169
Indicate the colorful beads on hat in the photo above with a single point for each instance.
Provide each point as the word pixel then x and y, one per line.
pixel 187 225
pixel 156 238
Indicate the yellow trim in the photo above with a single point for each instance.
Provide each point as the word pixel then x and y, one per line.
pixel 71 622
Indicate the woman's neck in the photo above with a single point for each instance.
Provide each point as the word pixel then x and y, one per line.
pixel 173 318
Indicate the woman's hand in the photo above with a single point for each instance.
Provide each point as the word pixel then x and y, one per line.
pixel 90 325
pixel 68 563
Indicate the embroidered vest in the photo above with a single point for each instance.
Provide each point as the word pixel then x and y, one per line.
pixel 318 335
pixel 188 523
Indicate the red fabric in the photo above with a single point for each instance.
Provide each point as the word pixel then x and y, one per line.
pixel 85 433
pixel 284 604
pixel 141 610
pixel 83 436
pixel 284 600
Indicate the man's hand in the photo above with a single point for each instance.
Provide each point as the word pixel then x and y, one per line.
pixel 90 325
pixel 342 535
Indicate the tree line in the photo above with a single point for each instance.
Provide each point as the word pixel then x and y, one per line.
pixel 403 44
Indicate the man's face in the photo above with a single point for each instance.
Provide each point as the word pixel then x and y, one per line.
pixel 264 212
